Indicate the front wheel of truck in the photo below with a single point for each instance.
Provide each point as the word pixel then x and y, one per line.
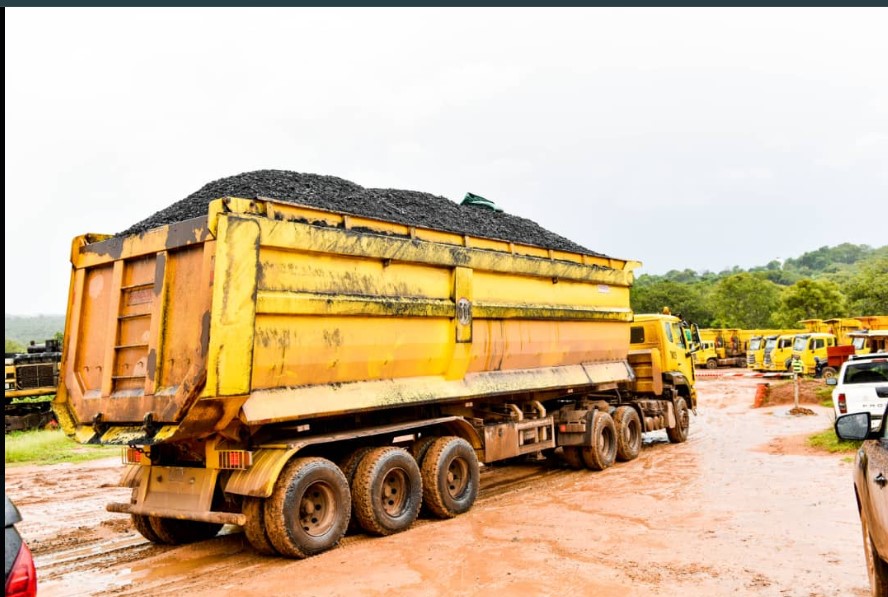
pixel 309 508
pixel 679 433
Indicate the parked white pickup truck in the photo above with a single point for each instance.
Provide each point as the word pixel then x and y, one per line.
pixel 862 385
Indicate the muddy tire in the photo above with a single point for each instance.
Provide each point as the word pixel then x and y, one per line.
pixel 679 433
pixel 603 451
pixel 450 477
pixel 628 428
pixel 711 364
pixel 172 531
pixel 349 466
pixel 571 455
pixel 387 491
pixel 876 567
pixel 142 524
pixel 828 373
pixel 309 508
pixel 254 529
pixel 420 447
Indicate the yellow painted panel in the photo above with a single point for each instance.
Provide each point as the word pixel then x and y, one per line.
pixel 517 289
pixel 317 350
pixel 338 274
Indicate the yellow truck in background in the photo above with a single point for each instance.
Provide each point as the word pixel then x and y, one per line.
pixel 811 349
pixel 778 352
pixel 728 348
pixel 288 369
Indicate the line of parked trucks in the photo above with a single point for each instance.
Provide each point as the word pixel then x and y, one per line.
pixel 820 346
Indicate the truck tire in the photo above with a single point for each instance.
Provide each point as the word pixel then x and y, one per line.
pixel 711 364
pixel 828 373
pixel 142 524
pixel 349 466
pixel 420 447
pixel 628 426
pixel 387 491
pixel 254 529
pixel 679 433
pixel 571 455
pixel 309 508
pixel 450 477
pixel 876 567
pixel 172 531
pixel 603 451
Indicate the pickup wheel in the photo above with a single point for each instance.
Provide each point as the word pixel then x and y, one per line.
pixel 711 364
pixel 387 491
pixel 173 531
pixel 309 508
pixel 628 426
pixel 450 477
pixel 254 529
pixel 679 433
pixel 876 567
pixel 571 455
pixel 603 451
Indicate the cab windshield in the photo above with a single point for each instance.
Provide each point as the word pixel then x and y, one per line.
pixel 859 343
pixel 770 344
pixel 799 344
pixel 755 344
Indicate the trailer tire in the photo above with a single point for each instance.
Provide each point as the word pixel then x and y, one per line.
pixel 711 364
pixel 628 426
pixel 679 433
pixel 603 451
pixel 349 466
pixel 309 508
pixel 571 455
pixel 172 531
pixel 450 477
pixel 420 447
pixel 387 491
pixel 254 529
pixel 143 525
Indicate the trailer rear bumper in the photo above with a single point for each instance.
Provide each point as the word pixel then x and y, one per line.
pixel 212 517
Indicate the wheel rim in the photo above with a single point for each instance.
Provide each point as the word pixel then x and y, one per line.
pixel 632 433
pixel 457 477
pixel 606 441
pixel 317 511
pixel 395 489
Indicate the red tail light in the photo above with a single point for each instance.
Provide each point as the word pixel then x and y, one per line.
pixel 843 405
pixel 22 580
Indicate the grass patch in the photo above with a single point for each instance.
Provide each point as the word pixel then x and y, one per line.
pixel 824 395
pixel 50 447
pixel 828 441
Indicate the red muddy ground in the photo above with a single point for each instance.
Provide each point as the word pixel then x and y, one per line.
pixel 744 507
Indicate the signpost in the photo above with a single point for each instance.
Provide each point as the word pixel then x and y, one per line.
pixel 796 372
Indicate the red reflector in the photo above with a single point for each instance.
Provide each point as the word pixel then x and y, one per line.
pixel 22 579
pixel 843 405
pixel 235 459
pixel 562 428
pixel 131 456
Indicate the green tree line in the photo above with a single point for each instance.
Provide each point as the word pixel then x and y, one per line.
pixel 843 281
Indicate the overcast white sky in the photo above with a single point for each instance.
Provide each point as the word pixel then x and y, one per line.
pixel 682 138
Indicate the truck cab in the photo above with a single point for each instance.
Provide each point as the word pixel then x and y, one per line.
pixel 755 352
pixel 778 353
pixel 706 356
pixel 671 343
pixel 811 349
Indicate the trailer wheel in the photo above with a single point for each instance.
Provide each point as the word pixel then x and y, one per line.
pixel 309 508
pixel 254 510
pixel 173 531
pixel 628 426
pixel 348 466
pixel 571 455
pixel 420 447
pixel 679 433
pixel 387 491
pixel 828 373
pixel 450 477
pixel 603 451
pixel 711 363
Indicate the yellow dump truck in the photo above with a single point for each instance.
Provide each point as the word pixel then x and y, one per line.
pixel 30 375
pixel 290 369
pixel 778 352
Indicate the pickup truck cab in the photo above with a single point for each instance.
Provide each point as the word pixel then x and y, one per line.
pixel 862 386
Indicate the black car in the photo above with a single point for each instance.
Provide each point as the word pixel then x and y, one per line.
pixel 21 577
pixel 870 480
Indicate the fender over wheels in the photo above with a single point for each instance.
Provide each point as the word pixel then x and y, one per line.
pixel 309 508
pixel 603 451
pixel 450 477
pixel 254 529
pixel 679 433
pixel 387 491
pixel 173 531
pixel 628 428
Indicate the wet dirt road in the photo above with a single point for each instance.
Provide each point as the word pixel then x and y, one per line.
pixel 744 507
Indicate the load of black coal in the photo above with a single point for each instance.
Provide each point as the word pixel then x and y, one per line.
pixel 411 208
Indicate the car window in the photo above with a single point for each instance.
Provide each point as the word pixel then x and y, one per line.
pixel 866 372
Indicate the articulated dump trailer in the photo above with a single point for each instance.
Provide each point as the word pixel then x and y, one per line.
pixel 294 370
